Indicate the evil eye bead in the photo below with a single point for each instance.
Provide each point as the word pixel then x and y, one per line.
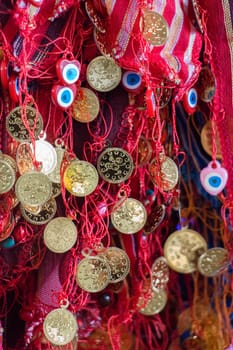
pixel 132 82
pixel 214 178
pixel 63 96
pixel 36 3
pixel 14 88
pixel 190 101
pixel 68 72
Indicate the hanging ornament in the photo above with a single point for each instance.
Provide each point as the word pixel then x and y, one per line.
pixel 63 96
pixel 86 106
pixel 60 234
pixel 207 140
pixel 68 71
pixel 151 302
pixel 159 274
pixel 119 263
pixel 7 176
pixel 182 249
pixel 214 178
pixel 132 82
pixel 42 214
pixel 190 101
pixel 164 173
pixel 154 28
pixel 24 158
pixel 213 262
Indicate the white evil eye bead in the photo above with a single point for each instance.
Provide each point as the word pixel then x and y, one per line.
pixel 131 81
pixel 214 179
pixel 63 96
pixel 190 101
pixel 68 72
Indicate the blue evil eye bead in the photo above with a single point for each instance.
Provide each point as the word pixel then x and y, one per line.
pixel 8 243
pixel 132 82
pixel 63 96
pixel 190 101
pixel 14 88
pixel 68 71
pixel 214 178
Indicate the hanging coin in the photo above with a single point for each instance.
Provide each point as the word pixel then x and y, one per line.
pixel 55 175
pixel 24 158
pixel 60 326
pixel 159 274
pixel 80 178
pixel 119 263
pixel 85 107
pixel 7 176
pixel 93 274
pixel 115 165
pixel 213 262
pixel 207 140
pixel 206 85
pixel 164 173
pixel 33 189
pixel 103 74
pixel 15 125
pixel 155 218
pixel 46 155
pixel 60 234
pixel 129 216
pixel 153 304
pixel 154 28
pixel 182 249
pixel 45 214
pixel 144 151
pixel 9 160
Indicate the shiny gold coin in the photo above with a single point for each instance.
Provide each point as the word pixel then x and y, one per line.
pixel 33 189
pixel 15 124
pixel 46 212
pixel 24 158
pixel 154 28
pixel 164 173
pixel 103 74
pixel 60 326
pixel 182 249
pixel 152 304
pixel 7 176
pixel 93 274
pixel 207 140
pixel 80 178
pixel 55 175
pixel 119 263
pixel 213 262
pixel 60 235
pixel 115 165
pixel 85 107
pixel 159 274
pixel 129 216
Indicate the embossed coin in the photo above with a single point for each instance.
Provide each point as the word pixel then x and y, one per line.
pixel 24 158
pixel 80 178
pixel 7 176
pixel 85 107
pixel 16 127
pixel 129 216
pixel 213 262
pixel 154 28
pixel 153 304
pixel 155 218
pixel 93 274
pixel 115 165
pixel 45 214
pixel 182 249
pixel 119 263
pixel 159 274
pixel 60 326
pixel 206 85
pixel 144 151
pixel 103 74
pixel 207 140
pixel 60 235
pixel 33 188
pixel 164 173
pixel 46 155
pixel 9 160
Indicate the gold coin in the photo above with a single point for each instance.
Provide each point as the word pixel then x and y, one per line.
pixel 129 216
pixel 80 178
pixel 103 74
pixel 159 274
pixel 115 165
pixel 24 158
pixel 207 140
pixel 55 175
pixel 164 173
pixel 33 189
pixel 119 263
pixel 60 234
pixel 45 214
pixel 7 176
pixel 213 262
pixel 9 160
pixel 60 326
pixel 152 304
pixel 93 274
pixel 182 249
pixel 85 107
pixel 154 28
pixel 16 127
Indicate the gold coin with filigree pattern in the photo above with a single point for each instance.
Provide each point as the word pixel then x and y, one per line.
pixel 60 327
pixel 119 263
pixel 46 212
pixel 159 274
pixel 7 176
pixel 85 107
pixel 213 262
pixel 153 303
pixel 154 28
pixel 164 173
